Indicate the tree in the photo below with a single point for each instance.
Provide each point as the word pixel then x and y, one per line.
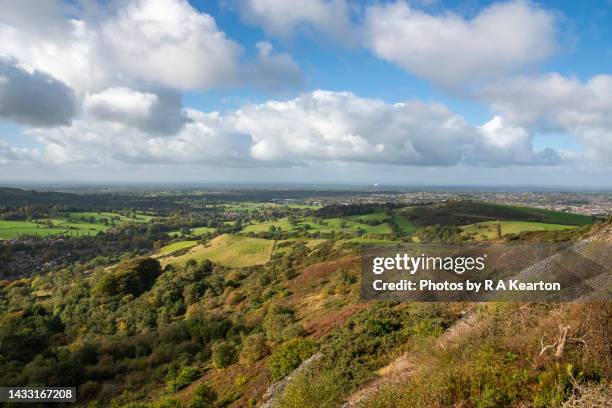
pixel 131 277
pixel 203 397
pixel 279 324
pixel 254 347
pixel 223 354
pixel 289 355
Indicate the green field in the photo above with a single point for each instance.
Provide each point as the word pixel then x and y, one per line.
pixel 230 250
pixel 375 216
pixel 488 230
pixel 556 217
pixel 176 246
pixel 348 224
pixel 472 212
pixel 194 231
pixel 72 224
pixel 404 224
pixel 265 226
pixel 15 229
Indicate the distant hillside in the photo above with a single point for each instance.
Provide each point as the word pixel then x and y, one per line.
pixel 471 212
pixel 336 210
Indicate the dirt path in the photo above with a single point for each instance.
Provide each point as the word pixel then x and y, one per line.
pixel 406 364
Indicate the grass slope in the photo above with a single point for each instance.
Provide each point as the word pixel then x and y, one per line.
pixel 230 250
pixel 176 246
pixel 488 230
pixel 194 231
pixel 556 217
pixel 404 223
pixel 349 224
pixel 265 226
pixel 471 212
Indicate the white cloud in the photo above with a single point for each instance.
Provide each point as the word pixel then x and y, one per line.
pixel 155 113
pixel 15 155
pixel 143 43
pixel 449 49
pixel 272 71
pixel 503 141
pixel 555 103
pixel 339 126
pixel 170 43
pixel 34 98
pixel 282 19
pixel 91 142
pixel 71 57
pixel 317 127
pixel 42 17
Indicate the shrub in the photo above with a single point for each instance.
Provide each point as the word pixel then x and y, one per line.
pixel 223 354
pixel 313 388
pixel 203 397
pixel 254 347
pixel 279 324
pixel 289 355
pixel 167 403
pixel 185 376
pixel 241 380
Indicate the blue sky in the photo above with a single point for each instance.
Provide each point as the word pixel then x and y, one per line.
pixel 397 92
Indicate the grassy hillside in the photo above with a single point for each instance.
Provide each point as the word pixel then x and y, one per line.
pixel 376 222
pixel 229 250
pixel 404 224
pixel 470 212
pixel 131 333
pixel 556 217
pixel 488 230
pixel 194 231
pixel 176 246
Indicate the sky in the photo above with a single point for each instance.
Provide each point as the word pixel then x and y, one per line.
pixel 421 92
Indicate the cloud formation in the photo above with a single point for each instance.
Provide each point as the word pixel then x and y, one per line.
pixel 282 19
pixel 100 84
pixel 34 98
pixel 272 71
pixel 170 43
pixel 326 125
pixel 164 43
pixel 155 113
pixel 556 103
pixel 321 126
pixel 448 49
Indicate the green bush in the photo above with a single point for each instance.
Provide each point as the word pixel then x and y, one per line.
pixel 289 355
pixel 313 388
pixel 185 376
pixel 254 347
pixel 279 324
pixel 167 403
pixel 223 354
pixel 203 397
